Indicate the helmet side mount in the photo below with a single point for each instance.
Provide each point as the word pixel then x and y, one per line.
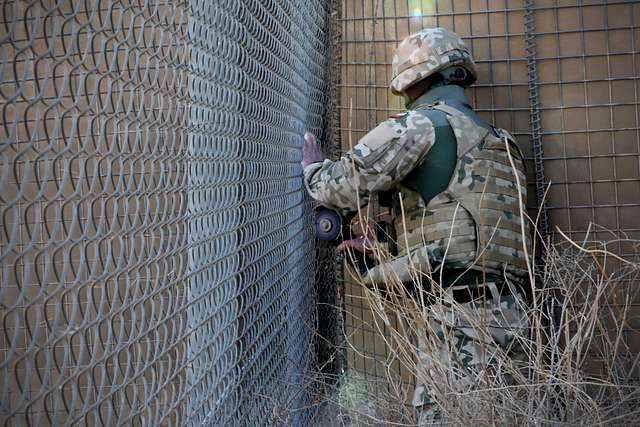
pixel 456 75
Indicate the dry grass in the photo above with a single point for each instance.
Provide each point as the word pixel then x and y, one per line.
pixel 580 367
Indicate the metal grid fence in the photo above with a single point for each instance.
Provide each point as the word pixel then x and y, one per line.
pixel 372 29
pixel 589 57
pixel 562 75
pixel 157 261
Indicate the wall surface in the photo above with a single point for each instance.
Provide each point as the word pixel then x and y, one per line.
pixel 584 57
pixel 156 250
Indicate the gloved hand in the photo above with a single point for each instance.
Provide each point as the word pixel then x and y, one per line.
pixel 360 244
pixel 310 150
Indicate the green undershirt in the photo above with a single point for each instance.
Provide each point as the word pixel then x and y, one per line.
pixel 432 176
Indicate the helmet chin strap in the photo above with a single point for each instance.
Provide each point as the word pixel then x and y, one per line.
pixel 407 99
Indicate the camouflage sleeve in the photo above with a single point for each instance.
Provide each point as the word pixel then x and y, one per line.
pixel 382 158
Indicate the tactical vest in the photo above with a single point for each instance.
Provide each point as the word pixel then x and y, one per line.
pixel 475 222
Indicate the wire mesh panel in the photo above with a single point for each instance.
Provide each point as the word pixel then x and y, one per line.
pixel 588 71
pixel 157 261
pixel 588 65
pixel 561 75
pixel 494 31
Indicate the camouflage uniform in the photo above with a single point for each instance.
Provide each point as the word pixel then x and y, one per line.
pixel 471 224
pixel 452 338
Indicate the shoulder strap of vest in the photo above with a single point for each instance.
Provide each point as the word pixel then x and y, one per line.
pixel 449 110
pixel 504 134
pixel 468 133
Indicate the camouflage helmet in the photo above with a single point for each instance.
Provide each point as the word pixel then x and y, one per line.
pixel 428 52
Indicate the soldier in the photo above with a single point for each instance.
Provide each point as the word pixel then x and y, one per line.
pixel 457 186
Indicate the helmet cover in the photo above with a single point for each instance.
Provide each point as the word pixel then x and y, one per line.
pixel 426 53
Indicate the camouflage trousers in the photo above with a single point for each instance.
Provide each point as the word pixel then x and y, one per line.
pixel 463 344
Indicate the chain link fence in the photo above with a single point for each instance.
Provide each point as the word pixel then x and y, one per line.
pixel 156 249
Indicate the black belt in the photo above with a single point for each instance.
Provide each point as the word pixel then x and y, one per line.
pixel 471 278
pixel 471 285
pixel 480 293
